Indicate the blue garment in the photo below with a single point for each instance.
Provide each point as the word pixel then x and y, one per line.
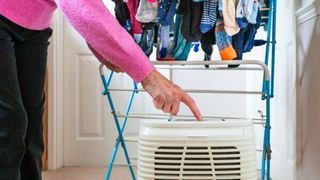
pixel 251 33
pixel 238 43
pixel 184 55
pixel 164 38
pixel 181 47
pixel 196 47
pixel 168 18
pixel 162 9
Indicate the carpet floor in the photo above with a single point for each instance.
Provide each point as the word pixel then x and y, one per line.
pixel 86 173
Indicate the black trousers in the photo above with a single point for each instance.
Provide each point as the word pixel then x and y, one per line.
pixel 23 58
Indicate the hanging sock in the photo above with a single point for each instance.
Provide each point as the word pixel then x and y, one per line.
pixel 185 27
pixel 196 47
pixel 224 42
pixel 181 47
pixel 167 20
pixel 147 11
pixel 147 40
pixel 122 15
pixel 185 53
pixel 253 9
pixel 136 25
pixel 209 15
pixel 162 9
pixel 241 14
pixel 207 41
pixel 250 34
pixel 229 17
pixel 259 42
pixel 197 9
pixel 164 38
pixel 238 43
pixel 192 14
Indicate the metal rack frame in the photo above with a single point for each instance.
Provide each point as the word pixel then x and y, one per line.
pixel 266 93
pixel 174 65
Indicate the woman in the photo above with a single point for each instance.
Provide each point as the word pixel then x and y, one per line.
pixel 24 34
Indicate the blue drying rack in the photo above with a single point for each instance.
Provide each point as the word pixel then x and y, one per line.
pixel 267 93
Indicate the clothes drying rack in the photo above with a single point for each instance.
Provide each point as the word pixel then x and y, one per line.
pixel 266 93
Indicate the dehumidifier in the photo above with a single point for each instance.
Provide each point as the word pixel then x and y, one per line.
pixel 219 149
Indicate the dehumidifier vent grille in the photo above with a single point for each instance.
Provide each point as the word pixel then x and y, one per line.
pixel 197 162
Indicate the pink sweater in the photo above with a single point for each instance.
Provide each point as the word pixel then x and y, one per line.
pixel 93 21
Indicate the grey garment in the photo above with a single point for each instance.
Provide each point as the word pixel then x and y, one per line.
pixel 23 55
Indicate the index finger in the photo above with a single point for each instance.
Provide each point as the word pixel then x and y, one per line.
pixel 187 100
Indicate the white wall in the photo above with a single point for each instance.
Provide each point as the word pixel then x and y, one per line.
pixel 308 86
pixel 283 105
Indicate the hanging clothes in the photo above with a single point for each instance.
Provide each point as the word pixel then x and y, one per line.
pixel 251 33
pixel 136 25
pixel 122 14
pixel 147 39
pixel 147 11
pixel 182 47
pixel 229 16
pixel 224 42
pixel 207 41
pixel 209 15
pixel 169 13
pixel 164 38
pixel 163 9
pixel 192 14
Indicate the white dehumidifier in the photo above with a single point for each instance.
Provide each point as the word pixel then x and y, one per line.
pixel 204 150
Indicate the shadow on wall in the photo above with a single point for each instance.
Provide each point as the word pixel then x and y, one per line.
pixel 308 108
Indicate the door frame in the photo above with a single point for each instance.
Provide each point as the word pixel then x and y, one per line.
pixel 55 95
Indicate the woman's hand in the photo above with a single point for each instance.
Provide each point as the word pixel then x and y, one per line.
pixel 167 96
pixel 112 67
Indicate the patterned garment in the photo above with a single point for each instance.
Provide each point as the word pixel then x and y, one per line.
pixel 224 42
pixel 163 9
pixel 209 15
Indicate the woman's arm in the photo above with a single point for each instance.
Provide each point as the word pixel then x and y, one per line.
pixel 110 41
pixel 102 31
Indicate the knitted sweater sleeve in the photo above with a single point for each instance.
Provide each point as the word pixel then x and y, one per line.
pixel 105 35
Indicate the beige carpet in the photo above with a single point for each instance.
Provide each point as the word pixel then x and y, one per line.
pixel 85 173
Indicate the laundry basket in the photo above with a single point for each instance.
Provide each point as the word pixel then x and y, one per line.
pixel 218 149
